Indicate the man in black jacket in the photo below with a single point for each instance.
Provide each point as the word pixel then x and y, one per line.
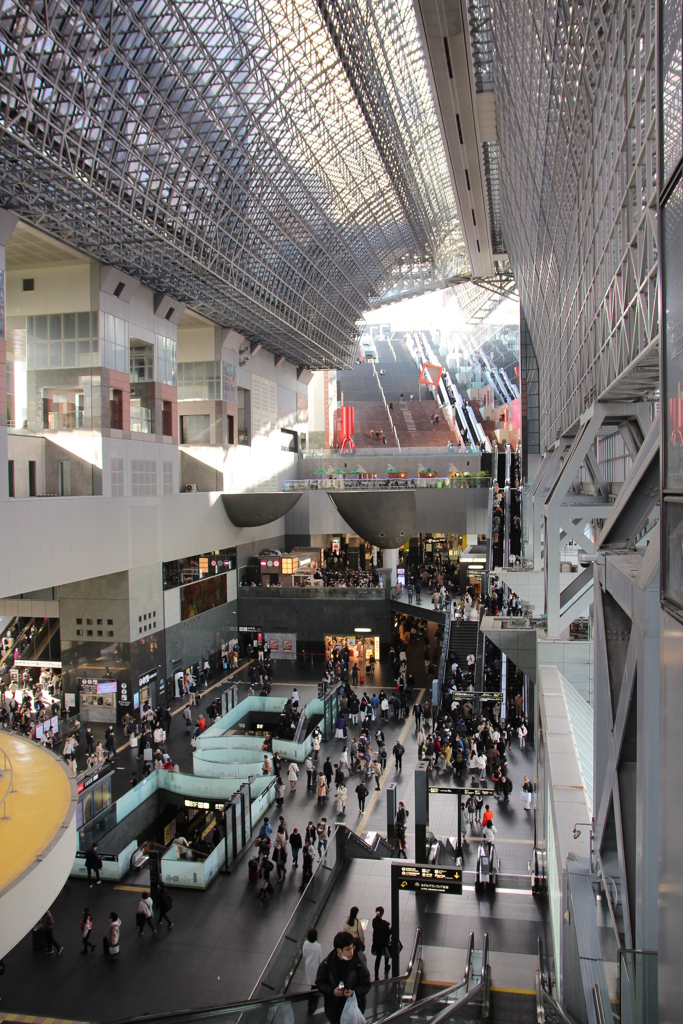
pixel 341 974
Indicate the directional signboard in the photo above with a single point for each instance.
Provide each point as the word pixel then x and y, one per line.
pixel 461 791
pixel 423 878
pixel 468 695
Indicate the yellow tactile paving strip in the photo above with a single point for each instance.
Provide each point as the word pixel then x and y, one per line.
pixel 35 811
pixel 20 1019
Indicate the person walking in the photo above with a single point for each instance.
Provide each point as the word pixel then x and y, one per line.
pixel 164 904
pixel 522 734
pixel 315 746
pixel 322 790
pixel 470 807
pixel 342 974
pixel 265 868
pixel 279 793
pixel 296 844
pixel 280 858
pixel 381 938
pixel 527 792
pixel 312 953
pixel 487 816
pixel 145 914
pixel 362 794
pixel 47 921
pixel 354 926
pixel 113 935
pixel 341 799
pixel 292 775
pixel 328 772
pixel 93 862
pixel 398 752
pixel 417 713
pixel 322 832
pixel 310 775
pixel 86 931
pixel 307 866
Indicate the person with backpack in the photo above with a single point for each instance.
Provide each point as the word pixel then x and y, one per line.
pixel 86 930
pixel 398 752
pixel 362 794
pixel 145 914
pixel 164 904
pixel 381 939
pixel 266 830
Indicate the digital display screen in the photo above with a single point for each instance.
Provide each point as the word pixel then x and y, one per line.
pixel 108 686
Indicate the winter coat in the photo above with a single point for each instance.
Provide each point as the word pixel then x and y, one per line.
pixel 353 973
pixel 113 934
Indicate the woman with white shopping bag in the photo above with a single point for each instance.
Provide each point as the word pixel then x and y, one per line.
pixel 344 981
pixel 527 793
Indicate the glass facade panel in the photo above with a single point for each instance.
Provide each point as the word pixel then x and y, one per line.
pixel 672 567
pixel 166 363
pixel 58 354
pixel 201 382
pixel 672 84
pixel 672 279
pixel 195 430
pixel 115 344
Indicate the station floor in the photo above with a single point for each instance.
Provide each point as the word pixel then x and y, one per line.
pixel 222 938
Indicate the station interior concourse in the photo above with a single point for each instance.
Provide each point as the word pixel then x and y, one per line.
pixel 341 512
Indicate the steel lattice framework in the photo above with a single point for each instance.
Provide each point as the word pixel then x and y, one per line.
pixel 269 162
pixel 576 102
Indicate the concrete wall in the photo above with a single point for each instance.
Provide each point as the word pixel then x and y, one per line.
pixel 311 613
pixel 201 635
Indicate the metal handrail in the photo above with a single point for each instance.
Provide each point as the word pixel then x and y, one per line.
pixel 272 1003
pixel 544 999
pixel 10 788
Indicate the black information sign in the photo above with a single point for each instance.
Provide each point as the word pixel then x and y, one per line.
pixel 461 791
pixel 427 878
pixel 423 878
pixel 469 695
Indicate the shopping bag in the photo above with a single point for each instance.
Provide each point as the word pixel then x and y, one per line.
pixel 351 1013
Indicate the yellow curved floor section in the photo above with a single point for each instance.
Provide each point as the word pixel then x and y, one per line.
pixel 35 811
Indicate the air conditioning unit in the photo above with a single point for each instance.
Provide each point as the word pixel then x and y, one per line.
pixel 191 488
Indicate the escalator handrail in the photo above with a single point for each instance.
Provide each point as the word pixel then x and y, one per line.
pixel 215 1011
pixel 542 993
pixel 444 1015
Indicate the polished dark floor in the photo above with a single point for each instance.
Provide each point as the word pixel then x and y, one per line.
pixel 222 938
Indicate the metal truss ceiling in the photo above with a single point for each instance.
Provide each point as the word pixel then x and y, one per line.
pixel 269 162
pixel 576 94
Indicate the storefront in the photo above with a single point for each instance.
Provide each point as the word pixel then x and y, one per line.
pixel 250 636
pixel 147 695
pixel 98 700
pixel 361 645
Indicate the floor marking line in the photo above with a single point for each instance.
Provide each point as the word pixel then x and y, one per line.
pixel 132 888
pixel 514 991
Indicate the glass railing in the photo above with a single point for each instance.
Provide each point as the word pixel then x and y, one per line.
pixel 341 483
pixel 468 1001
pixel 383 999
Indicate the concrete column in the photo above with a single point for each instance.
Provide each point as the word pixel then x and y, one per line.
pixel 392 807
pixel 390 559
pixel 551 569
pixel 421 812
pixel 7 224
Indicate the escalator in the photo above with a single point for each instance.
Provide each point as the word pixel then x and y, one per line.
pixel 512 1008
pixel 386 999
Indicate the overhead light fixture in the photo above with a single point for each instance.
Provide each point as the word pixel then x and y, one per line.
pixel 362 629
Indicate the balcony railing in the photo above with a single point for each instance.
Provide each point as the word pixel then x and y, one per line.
pixel 340 483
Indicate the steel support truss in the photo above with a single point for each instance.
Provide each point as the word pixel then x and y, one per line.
pixel 563 511
pixel 268 163
pixel 576 102
pixel 626 729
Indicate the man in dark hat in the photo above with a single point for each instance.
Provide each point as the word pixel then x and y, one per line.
pixel 341 974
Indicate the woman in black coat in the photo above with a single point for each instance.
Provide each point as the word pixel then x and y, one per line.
pixel 381 938
pixel 341 974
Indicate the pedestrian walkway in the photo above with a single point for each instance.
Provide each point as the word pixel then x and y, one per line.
pixel 222 937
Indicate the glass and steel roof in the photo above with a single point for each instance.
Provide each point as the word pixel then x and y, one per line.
pixel 269 162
